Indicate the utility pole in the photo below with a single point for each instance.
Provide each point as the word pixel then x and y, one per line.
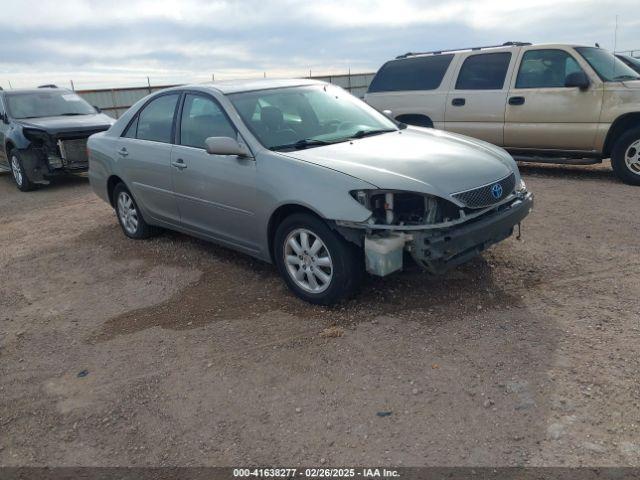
pixel 10 86
pixel 615 45
pixel 72 86
pixel 149 84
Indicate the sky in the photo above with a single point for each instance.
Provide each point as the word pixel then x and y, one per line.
pixel 118 43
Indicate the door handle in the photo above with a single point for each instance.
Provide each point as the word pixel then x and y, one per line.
pixel 516 101
pixel 123 152
pixel 179 164
pixel 458 102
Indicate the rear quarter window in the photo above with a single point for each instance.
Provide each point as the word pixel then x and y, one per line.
pixel 415 73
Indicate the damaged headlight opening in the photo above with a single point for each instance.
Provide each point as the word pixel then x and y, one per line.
pixel 390 207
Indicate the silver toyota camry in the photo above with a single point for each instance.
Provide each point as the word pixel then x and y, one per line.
pixel 302 174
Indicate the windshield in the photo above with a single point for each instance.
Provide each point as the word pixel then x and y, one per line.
pixel 607 66
pixel 46 104
pixel 304 117
pixel 633 62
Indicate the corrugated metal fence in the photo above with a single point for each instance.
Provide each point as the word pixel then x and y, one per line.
pixel 116 101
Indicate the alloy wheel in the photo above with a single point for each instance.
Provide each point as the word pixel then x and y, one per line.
pixel 127 213
pixel 16 170
pixel 308 260
pixel 632 157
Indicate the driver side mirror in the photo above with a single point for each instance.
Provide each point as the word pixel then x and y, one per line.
pixel 4 117
pixel 388 114
pixel 577 79
pixel 226 146
pixel 98 109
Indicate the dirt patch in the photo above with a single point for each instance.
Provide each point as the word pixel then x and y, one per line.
pixel 197 355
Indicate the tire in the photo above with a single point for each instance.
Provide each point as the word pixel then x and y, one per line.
pixel 625 157
pixel 129 215
pixel 19 173
pixel 325 276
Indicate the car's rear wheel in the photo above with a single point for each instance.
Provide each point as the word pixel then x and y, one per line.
pixel 18 172
pixel 625 157
pixel 129 215
pixel 317 264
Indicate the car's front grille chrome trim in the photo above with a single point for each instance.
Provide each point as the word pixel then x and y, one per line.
pixel 484 197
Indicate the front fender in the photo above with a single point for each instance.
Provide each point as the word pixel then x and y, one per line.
pixel 287 181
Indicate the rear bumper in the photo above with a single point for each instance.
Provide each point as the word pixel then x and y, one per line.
pixel 439 250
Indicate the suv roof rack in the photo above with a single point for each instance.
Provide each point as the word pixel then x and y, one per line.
pixel 48 85
pixel 438 52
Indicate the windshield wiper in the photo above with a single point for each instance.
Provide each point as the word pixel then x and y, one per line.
pixel 301 144
pixel 367 133
pixel 72 114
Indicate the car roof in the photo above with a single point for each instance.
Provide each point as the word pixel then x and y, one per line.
pixel 35 90
pixel 236 86
pixel 507 46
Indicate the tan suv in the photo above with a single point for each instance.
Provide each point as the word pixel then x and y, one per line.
pixel 544 103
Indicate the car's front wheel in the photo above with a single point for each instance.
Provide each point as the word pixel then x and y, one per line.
pixel 625 157
pixel 18 172
pixel 129 215
pixel 315 262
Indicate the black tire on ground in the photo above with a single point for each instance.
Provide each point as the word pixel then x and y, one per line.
pixel 20 178
pixel 621 150
pixel 130 219
pixel 346 258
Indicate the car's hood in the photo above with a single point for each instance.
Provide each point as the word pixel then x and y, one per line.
pixel 415 159
pixel 79 123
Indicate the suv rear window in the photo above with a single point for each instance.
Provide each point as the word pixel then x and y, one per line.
pixel 415 73
pixel 486 71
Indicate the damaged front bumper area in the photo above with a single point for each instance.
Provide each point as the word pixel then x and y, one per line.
pixel 50 155
pixel 440 247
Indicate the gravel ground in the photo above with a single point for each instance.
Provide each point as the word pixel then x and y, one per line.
pixel 177 352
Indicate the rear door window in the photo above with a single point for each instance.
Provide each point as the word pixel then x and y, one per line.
pixel 486 71
pixel 414 73
pixel 155 121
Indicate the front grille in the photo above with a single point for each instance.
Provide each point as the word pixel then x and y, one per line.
pixel 487 195
pixel 73 151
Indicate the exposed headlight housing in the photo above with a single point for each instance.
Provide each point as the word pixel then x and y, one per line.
pixel 392 207
pixel 521 187
pixel 35 136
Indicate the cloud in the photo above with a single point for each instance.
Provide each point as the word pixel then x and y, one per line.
pixel 119 41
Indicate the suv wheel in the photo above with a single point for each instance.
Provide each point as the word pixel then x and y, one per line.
pixel 18 172
pixel 129 215
pixel 315 262
pixel 625 157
